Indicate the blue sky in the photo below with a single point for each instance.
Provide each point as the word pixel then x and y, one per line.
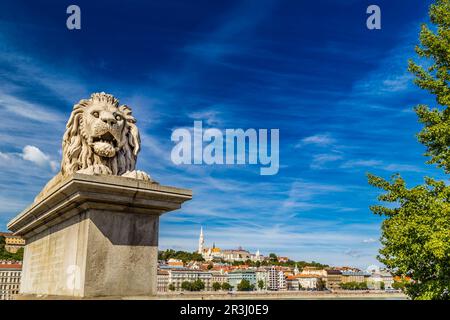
pixel 339 94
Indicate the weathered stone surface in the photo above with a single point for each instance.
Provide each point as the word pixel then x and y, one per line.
pixel 101 138
pixel 94 235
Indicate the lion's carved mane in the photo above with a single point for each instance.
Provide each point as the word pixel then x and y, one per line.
pixel 77 154
pixel 101 137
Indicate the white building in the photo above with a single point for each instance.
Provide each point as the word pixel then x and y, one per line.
pixel 262 275
pixel 162 281
pixel 218 276
pixel 281 280
pixel 178 276
pixel 377 278
pixel 314 271
pixel 236 276
pixel 10 273
pixel 308 282
pixel 273 278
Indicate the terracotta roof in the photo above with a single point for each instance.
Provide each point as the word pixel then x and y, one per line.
pixel 334 272
pixel 163 272
pixel 6 234
pixel 11 266
pixel 306 276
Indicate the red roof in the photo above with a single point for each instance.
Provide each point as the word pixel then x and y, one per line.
pixel 6 234
pixel 11 266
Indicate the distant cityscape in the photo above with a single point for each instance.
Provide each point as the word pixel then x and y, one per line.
pixel 215 269
pixel 224 270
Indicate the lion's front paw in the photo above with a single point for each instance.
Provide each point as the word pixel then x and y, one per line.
pixel 96 169
pixel 137 174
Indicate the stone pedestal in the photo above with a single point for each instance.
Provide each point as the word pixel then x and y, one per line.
pixel 94 236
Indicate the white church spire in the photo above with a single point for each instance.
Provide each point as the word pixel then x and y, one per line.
pixel 296 270
pixel 201 241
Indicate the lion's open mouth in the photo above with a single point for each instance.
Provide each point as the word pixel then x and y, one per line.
pixel 105 145
pixel 106 138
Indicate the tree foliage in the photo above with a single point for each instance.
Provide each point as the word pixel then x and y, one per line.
pixel 261 284
pixel 180 255
pixel 354 285
pixel 6 255
pixel 226 286
pixel 197 285
pixel 245 285
pixel 416 232
pixel 435 48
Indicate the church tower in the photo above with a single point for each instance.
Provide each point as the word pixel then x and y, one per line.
pixel 201 241
pixel 296 271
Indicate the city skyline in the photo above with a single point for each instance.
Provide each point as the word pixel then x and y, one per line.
pixel 338 92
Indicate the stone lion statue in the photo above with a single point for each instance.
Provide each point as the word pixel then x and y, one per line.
pixel 101 138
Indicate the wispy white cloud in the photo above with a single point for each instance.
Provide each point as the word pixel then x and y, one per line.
pixel 4 156
pixel 391 76
pixel 378 164
pixel 31 71
pixel 318 140
pixel 402 167
pixel 361 163
pixel 210 117
pixel 12 105
pixel 320 160
pixel 353 253
pixel 398 83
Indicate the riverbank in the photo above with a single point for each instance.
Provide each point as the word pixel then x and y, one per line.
pixel 257 295
pixel 284 295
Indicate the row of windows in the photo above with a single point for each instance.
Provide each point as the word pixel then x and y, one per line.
pixel 10 274
pixel 8 287
pixel 181 280
pixel 9 280
pixel 190 276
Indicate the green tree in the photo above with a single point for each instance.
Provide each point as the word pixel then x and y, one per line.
pixel 415 234
pixel 171 287
pixel 273 257
pixel 399 285
pixel 197 285
pixel 321 284
pixel 226 286
pixel 6 255
pixel 362 286
pixel 382 285
pixel 216 286
pixel 245 285
pixel 261 284
pixel 181 255
pixel 353 285
pixel 186 285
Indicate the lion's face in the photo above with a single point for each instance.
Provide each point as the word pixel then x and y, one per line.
pixel 103 127
pixel 100 136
